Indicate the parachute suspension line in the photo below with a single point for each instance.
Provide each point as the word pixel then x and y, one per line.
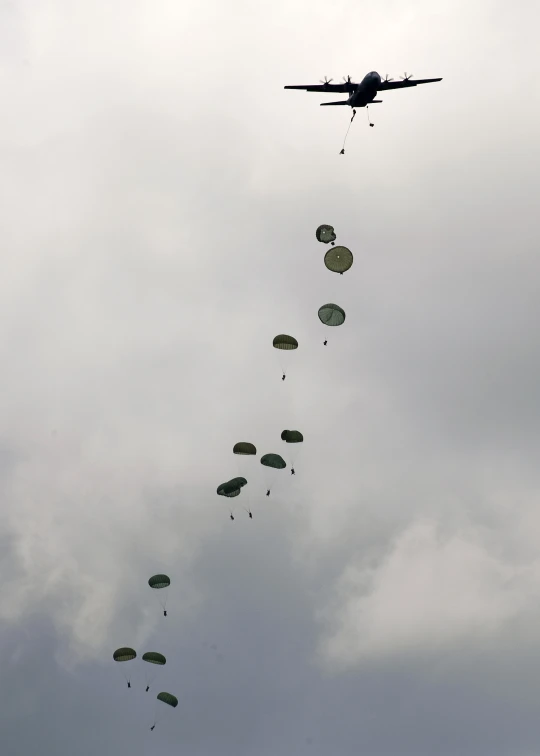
pixel 367 112
pixel 347 132
pixel 248 507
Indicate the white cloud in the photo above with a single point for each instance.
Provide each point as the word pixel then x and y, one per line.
pixel 430 591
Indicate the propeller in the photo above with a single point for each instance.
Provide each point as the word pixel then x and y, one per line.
pixel 326 80
pixel 347 79
pixel 406 77
pixel 387 79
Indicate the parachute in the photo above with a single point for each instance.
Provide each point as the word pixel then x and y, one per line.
pixel 168 699
pixel 292 437
pixel 325 234
pixel 231 487
pixel 285 342
pixel 124 654
pixel 244 452
pixel 273 460
pixel 338 259
pixel 244 448
pixel 152 657
pixel 161 582
pixel 331 315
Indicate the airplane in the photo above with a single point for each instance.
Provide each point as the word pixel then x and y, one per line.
pixel 363 94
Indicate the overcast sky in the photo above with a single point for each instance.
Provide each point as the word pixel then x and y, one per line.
pixel 160 193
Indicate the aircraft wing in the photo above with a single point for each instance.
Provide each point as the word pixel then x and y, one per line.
pixel 348 86
pixel 384 85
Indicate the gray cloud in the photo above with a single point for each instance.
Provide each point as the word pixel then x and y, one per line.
pixel 160 196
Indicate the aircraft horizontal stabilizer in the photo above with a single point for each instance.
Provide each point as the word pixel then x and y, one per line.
pixel 346 102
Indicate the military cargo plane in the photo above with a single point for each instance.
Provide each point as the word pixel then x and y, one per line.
pixel 364 93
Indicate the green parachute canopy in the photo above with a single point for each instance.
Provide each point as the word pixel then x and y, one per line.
pixel 338 259
pixel 331 315
pixel 231 487
pixel 124 654
pixel 159 581
pixel 152 657
pixel 168 698
pixel 325 234
pixel 273 460
pixel 292 437
pixel 244 447
pixel 285 342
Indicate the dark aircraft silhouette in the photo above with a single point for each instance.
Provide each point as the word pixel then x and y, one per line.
pixel 363 94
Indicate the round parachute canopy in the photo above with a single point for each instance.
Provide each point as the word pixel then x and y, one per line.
pixel 152 657
pixel 124 654
pixel 273 460
pixel 331 315
pixel 229 488
pixel 168 698
pixel 325 234
pixel 292 437
pixel 244 447
pixel 159 581
pixel 338 259
pixel 285 342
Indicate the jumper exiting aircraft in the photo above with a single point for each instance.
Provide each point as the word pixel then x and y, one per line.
pixel 363 94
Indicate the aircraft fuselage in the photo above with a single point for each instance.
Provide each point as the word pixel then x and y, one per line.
pixel 366 91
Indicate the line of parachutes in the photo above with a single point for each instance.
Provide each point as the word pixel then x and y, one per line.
pixel 153 660
pixel 338 259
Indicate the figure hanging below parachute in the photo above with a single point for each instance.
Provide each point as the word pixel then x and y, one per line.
pixel 284 343
pixel 161 583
